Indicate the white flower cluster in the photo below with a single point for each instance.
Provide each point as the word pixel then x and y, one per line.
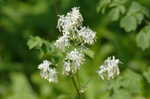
pixel 71 27
pixel 47 72
pixel 74 60
pixel 70 22
pixel 109 69
pixel 74 35
pixel 87 35
pixel 62 42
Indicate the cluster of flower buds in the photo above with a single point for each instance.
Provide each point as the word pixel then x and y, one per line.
pixel 48 72
pixel 87 35
pixel 62 42
pixel 109 69
pixel 72 29
pixel 70 22
pixel 73 61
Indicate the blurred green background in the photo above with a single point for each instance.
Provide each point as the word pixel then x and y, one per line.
pixel 19 77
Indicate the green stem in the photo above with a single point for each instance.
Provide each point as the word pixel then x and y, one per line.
pixel 76 87
pixel 78 79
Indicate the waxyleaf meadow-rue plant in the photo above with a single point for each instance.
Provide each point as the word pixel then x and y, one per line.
pixel 74 49
pixel 73 43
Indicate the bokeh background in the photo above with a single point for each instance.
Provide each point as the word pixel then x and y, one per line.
pixel 19 76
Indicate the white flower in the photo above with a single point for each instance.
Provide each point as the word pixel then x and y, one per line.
pixel 76 57
pixel 70 22
pixel 73 61
pixel 47 72
pixel 52 75
pixel 62 42
pixel 67 68
pixel 109 69
pixel 87 35
pixel 64 24
pixel 45 65
pixel 44 74
pixel 76 17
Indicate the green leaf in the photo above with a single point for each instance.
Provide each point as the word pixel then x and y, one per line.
pixel 139 18
pixel 131 81
pixel 129 23
pixel 143 38
pixel 137 8
pixel 116 12
pixel 134 17
pixel 138 11
pixel 103 4
pixel 116 8
pixel 121 94
pixel 35 42
pixel 147 75
pixel 127 81
pixel 89 53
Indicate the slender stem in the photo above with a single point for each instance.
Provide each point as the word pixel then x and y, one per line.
pixel 75 85
pixel 78 79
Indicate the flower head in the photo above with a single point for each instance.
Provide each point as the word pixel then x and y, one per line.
pixel 109 69
pixel 47 72
pixel 74 60
pixel 52 75
pixel 67 68
pixel 70 22
pixel 87 35
pixel 62 42
pixel 76 57
pixel 76 16
pixel 45 65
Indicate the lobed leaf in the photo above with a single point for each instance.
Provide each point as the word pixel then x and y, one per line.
pixel 134 17
pixel 103 4
pixel 116 12
pixel 35 42
pixel 147 75
pixel 129 23
pixel 143 38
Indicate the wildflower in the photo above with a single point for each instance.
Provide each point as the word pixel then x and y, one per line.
pixel 73 32
pixel 52 75
pixel 87 35
pixel 70 22
pixel 64 24
pixel 62 42
pixel 74 60
pixel 45 65
pixel 67 68
pixel 76 57
pixel 76 17
pixel 109 69
pixel 47 72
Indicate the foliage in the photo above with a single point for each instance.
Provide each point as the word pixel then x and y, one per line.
pixel 143 38
pixel 134 16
